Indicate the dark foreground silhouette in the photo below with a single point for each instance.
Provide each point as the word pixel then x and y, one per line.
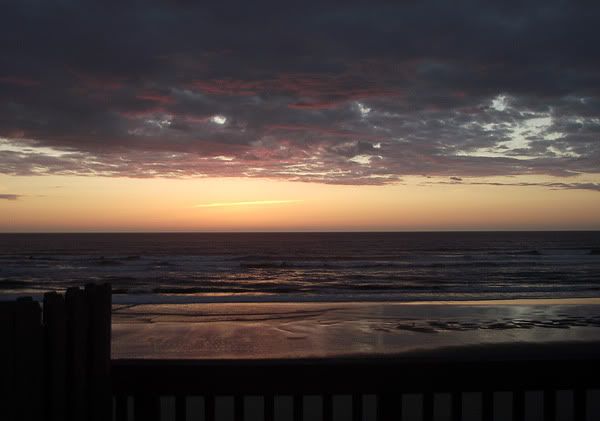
pixel 56 366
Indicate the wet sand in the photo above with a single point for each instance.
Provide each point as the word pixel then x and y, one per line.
pixel 491 329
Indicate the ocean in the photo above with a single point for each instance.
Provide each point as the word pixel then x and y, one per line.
pixel 305 267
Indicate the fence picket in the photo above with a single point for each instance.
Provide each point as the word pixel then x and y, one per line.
pixel 7 360
pixel 29 361
pixel 357 407
pixel 269 406
pixel 298 407
pixel 327 407
pixel 518 405
pixel 456 406
pixel 77 330
pixel 98 302
pixel 209 408
pixel 55 325
pixel 579 404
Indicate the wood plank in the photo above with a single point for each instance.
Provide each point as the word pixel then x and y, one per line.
pixel 55 326
pixel 29 361
pixel 77 350
pixel 7 360
pixel 98 302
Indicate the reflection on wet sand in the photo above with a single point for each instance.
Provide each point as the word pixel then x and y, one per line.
pixel 297 330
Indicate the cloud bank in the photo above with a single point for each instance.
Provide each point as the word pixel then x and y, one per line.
pixel 359 93
pixel 549 185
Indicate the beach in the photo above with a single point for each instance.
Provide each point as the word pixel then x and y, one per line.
pixel 497 329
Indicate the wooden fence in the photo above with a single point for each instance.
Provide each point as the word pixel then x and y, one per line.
pixel 139 384
pixel 55 362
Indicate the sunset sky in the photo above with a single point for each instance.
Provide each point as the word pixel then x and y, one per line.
pixel 263 115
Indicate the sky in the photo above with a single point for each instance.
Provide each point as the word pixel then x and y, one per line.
pixel 165 115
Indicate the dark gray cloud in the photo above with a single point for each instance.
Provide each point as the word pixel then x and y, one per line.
pixel 4 196
pixel 352 93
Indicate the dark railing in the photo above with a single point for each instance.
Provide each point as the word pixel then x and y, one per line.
pixel 143 382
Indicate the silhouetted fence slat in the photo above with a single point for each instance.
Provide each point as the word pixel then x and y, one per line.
pixel 121 408
pixel 98 301
pixel 428 401
pixel 456 406
pixel 55 323
pixel 77 354
pixel 147 408
pixel 209 407
pixel 549 405
pixel 180 408
pixel 238 408
pixel 357 407
pixel 29 361
pixel 327 407
pixel 269 407
pixel 518 405
pixel 389 407
pixel 487 405
pixel 298 407
pixel 580 403
pixel 7 359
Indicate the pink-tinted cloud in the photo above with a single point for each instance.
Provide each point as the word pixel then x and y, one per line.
pixel 363 93
pixel 227 87
pixel 155 97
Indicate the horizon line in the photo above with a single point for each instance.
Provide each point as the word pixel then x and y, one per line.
pixel 304 231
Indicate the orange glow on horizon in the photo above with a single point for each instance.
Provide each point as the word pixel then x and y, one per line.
pixel 63 203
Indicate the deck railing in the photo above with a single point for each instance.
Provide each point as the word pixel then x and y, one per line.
pixel 142 383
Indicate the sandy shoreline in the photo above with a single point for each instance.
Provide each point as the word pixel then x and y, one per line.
pixel 334 330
